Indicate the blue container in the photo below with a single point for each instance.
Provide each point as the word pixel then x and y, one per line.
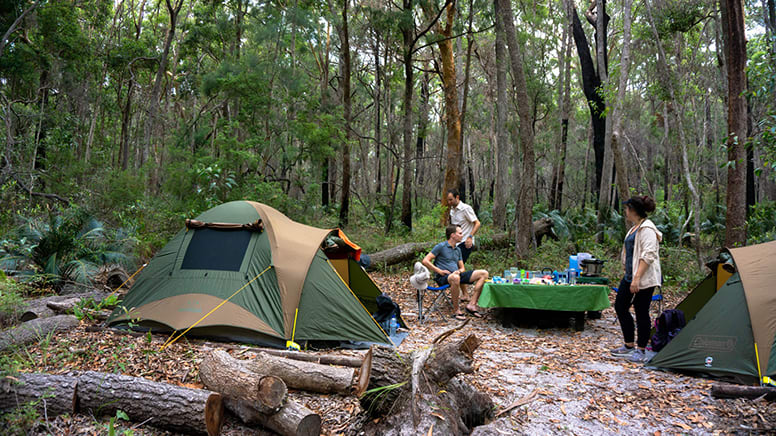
pixel 573 263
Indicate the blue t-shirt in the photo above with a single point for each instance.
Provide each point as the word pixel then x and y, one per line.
pixel 630 241
pixel 446 257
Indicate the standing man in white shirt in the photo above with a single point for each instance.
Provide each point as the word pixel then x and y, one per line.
pixel 463 216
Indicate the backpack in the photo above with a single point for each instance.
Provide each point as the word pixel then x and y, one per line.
pixel 667 326
pixel 386 309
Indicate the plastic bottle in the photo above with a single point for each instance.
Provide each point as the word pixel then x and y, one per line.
pixel 572 276
pixel 393 326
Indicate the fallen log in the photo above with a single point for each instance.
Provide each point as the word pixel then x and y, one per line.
pixel 408 252
pixel 736 391
pixel 293 419
pixel 36 329
pixel 51 394
pixel 413 394
pixel 40 308
pixel 162 405
pixel 353 362
pixel 306 376
pixel 224 374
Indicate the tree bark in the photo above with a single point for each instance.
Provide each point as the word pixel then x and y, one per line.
pixel 353 362
pixel 605 187
pixel 502 138
pixel 523 233
pixel 54 394
pixel 224 374
pixel 564 102
pixel 162 405
pixel 36 329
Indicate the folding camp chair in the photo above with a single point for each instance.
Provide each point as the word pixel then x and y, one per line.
pixel 438 292
pixel 659 298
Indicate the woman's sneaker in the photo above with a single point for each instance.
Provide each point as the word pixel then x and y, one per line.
pixel 638 356
pixel 622 351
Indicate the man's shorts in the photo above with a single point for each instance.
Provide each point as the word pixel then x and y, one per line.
pixel 466 278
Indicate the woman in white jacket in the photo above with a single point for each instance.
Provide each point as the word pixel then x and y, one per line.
pixel 641 260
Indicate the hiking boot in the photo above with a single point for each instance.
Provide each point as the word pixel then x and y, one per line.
pixel 622 351
pixel 638 356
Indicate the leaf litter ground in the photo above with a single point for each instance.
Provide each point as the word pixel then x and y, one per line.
pixel 571 384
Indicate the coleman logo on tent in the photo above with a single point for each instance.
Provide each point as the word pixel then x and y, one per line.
pixel 714 343
pixel 709 359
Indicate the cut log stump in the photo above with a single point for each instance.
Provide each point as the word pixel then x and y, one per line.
pixel 293 419
pixel 413 394
pixel 162 405
pixel 36 329
pixel 51 394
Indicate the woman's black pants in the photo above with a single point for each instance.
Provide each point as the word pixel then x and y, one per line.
pixel 640 301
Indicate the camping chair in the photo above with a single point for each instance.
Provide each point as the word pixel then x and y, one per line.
pixel 441 292
pixel 659 298
pixel 420 281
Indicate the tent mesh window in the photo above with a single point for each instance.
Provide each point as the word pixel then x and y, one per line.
pixel 216 249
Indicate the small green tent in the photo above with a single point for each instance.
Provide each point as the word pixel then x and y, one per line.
pixel 733 335
pixel 243 271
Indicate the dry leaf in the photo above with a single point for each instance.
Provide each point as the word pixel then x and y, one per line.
pixel 438 416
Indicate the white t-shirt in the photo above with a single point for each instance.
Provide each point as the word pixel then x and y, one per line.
pixel 464 217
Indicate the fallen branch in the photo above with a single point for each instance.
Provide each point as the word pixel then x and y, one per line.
pixel 53 393
pixel 736 391
pixel 525 400
pixel 36 329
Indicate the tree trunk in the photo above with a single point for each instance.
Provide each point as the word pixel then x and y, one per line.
pixel 605 187
pixel 224 374
pixel 591 84
pixel 36 329
pixel 564 102
pixel 156 93
pixel 619 162
pixel 502 138
pixel 162 405
pixel 346 105
pixel 735 222
pixel 452 115
pixel 54 394
pixel 408 42
pixel 523 233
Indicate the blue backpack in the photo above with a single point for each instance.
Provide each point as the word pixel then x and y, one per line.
pixel 667 326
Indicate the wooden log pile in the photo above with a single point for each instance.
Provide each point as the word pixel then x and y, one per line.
pixel 169 407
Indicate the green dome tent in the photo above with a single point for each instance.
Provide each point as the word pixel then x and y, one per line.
pixel 269 274
pixel 730 333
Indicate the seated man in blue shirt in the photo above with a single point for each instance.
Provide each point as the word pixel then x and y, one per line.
pixel 449 269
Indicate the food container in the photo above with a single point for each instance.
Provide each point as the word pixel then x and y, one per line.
pixel 592 267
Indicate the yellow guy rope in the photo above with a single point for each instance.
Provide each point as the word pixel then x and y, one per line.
pixel 757 357
pixel 171 341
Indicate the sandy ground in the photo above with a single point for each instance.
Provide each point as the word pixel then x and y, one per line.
pixel 574 386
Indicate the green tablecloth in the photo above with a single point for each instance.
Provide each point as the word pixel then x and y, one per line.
pixel 576 298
